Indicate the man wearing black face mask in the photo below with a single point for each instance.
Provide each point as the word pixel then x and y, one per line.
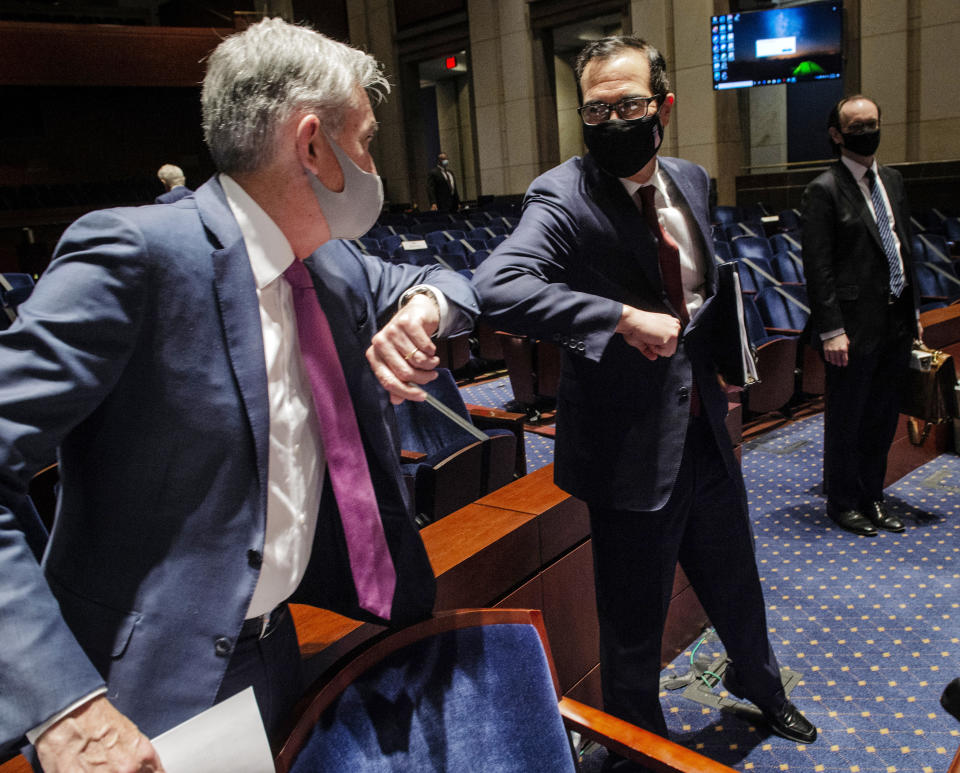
pixel 612 260
pixel 856 255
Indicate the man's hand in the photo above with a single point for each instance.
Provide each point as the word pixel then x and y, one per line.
pixel 836 350
pixel 654 334
pixel 96 737
pixel 402 351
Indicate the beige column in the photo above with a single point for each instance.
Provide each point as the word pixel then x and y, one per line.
pixel 704 127
pixel 372 25
pixel 933 100
pixel 884 71
pixel 502 70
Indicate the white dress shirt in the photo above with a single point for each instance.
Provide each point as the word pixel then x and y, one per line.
pixel 677 220
pixel 296 462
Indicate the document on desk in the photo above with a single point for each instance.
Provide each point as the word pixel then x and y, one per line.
pixel 227 738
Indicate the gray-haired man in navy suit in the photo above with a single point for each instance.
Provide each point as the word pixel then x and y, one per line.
pixel 164 354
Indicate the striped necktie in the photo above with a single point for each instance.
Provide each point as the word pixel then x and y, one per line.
pixel 886 235
pixel 370 561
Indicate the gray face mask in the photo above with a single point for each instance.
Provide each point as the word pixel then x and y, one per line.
pixel 353 211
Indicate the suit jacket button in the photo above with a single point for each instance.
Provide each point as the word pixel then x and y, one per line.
pixel 255 558
pixel 683 393
pixel 221 646
pixel 581 347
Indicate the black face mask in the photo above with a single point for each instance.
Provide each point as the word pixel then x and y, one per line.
pixel 623 148
pixel 862 144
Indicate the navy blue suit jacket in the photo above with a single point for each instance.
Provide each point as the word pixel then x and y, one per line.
pixel 140 356
pixel 580 251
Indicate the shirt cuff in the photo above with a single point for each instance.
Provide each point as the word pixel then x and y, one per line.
pixel 451 321
pixel 832 334
pixel 34 734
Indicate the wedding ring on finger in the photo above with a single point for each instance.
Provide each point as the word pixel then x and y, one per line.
pixel 411 354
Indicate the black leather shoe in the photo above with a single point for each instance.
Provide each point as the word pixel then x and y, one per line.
pixel 787 721
pixel 879 517
pixel 854 521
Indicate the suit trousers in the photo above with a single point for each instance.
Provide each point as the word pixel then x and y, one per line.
pixel 271 665
pixel 705 526
pixel 862 405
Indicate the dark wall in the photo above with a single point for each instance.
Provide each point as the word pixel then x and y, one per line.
pixel 65 134
pixel 808 105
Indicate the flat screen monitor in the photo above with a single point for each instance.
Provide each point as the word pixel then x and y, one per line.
pixel 778 45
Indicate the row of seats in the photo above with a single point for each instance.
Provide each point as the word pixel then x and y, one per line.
pixel 757 246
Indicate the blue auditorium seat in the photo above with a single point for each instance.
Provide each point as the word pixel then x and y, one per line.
pixel 751 247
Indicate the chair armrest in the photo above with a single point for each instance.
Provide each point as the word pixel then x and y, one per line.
pixel 494 418
pixel 630 741
pixel 784 331
pixel 412 456
pixel 486 418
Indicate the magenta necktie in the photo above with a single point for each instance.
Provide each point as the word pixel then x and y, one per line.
pixel 370 561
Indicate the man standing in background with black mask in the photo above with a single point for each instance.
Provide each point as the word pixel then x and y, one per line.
pixel 612 260
pixel 863 302
pixel 442 187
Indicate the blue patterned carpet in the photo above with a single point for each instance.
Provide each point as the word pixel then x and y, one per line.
pixel 872 626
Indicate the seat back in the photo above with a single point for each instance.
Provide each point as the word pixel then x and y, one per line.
pixel 473 690
pixel 780 311
pixel 936 249
pixel 789 220
pixel 755 274
pixel 726 214
pixel 751 247
pixel 787 267
pixel 423 429
pixel 786 241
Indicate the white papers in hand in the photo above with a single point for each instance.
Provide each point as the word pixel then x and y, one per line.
pixel 227 738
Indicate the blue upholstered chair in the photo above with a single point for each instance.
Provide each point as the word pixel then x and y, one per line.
pixel 783 309
pixel 445 466
pixel 725 214
pixel 776 364
pixel 789 220
pixel 755 274
pixel 786 241
pixel 472 690
pixel 751 247
pixel 787 267
pixel 14 289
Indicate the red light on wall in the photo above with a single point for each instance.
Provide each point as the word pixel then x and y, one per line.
pixel 451 62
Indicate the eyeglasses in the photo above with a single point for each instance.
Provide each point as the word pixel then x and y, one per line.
pixel 629 109
pixel 864 127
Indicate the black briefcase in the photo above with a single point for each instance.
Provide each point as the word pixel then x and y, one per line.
pixel 930 388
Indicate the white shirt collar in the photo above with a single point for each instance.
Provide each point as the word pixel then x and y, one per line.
pixel 632 186
pixel 268 249
pixel 857 169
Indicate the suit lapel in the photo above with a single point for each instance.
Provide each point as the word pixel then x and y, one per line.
pixel 240 317
pixel 625 220
pixel 850 189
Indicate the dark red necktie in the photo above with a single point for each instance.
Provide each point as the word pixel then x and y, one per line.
pixel 668 255
pixel 667 252
pixel 370 562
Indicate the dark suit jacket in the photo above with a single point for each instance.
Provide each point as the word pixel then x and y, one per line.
pixel 174 194
pixel 140 355
pixel 581 250
pixel 439 193
pixel 848 277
